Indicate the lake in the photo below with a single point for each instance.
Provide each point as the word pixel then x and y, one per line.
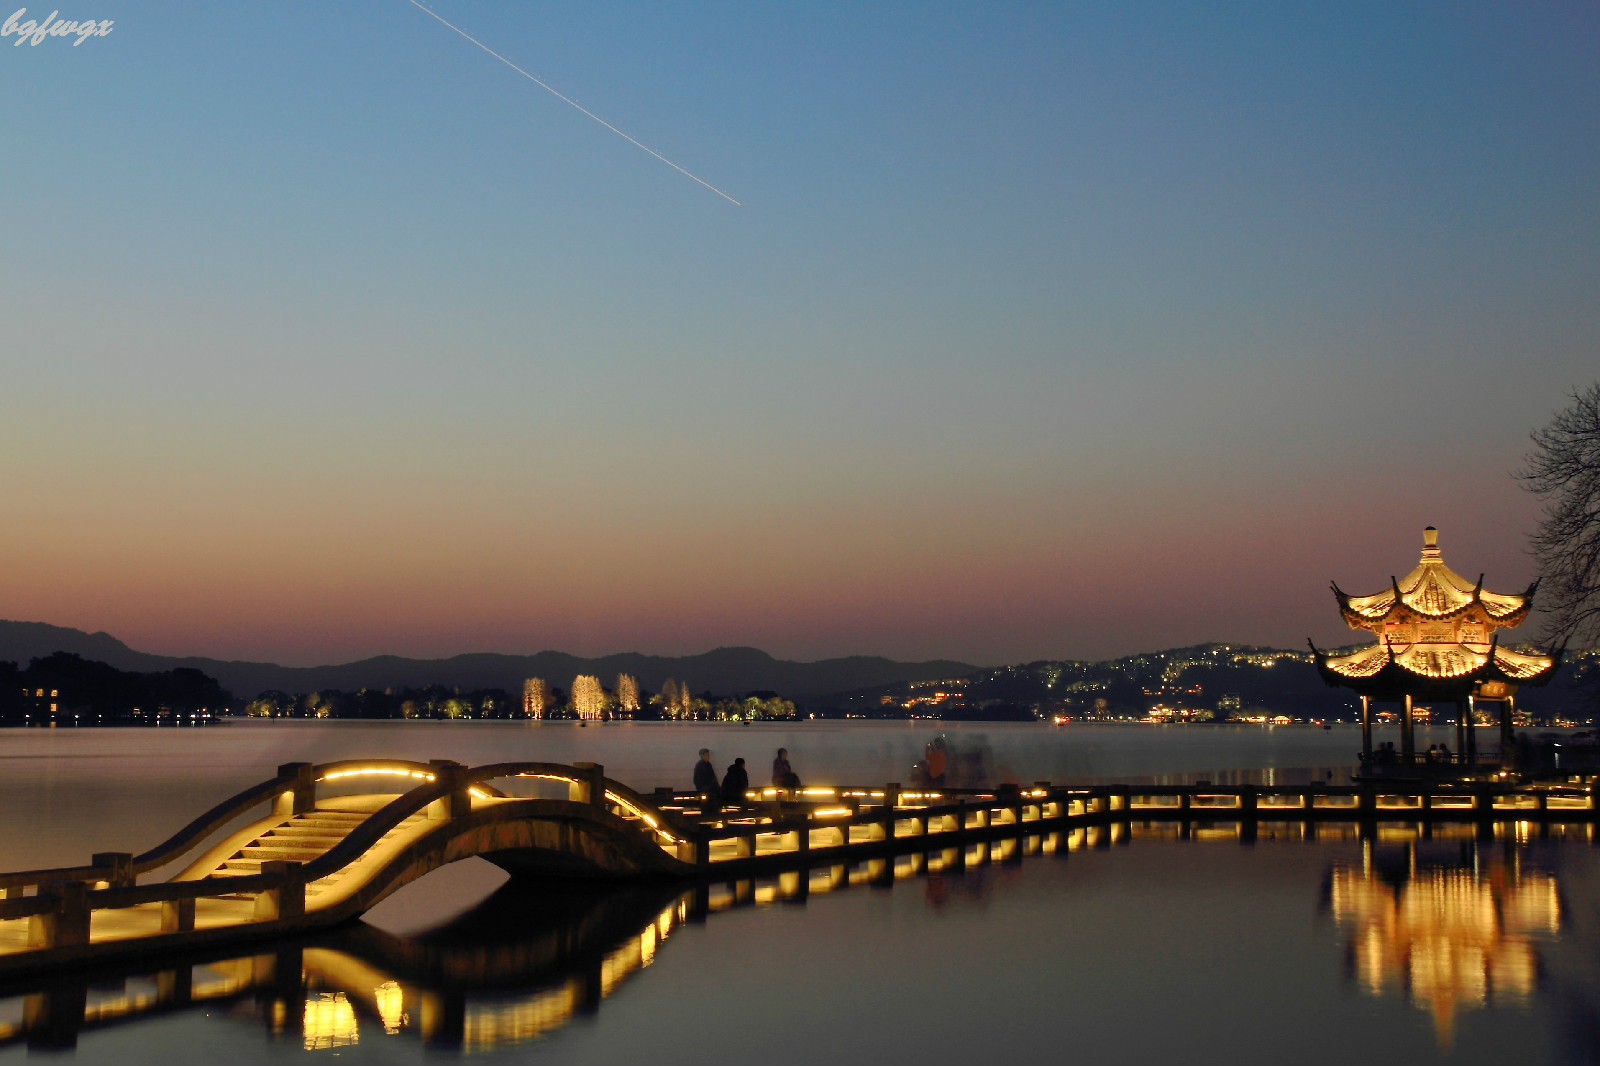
pixel 1406 947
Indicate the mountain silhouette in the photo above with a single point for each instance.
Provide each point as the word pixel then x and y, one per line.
pixel 725 671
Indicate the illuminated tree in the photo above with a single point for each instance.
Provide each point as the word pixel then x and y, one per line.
pixel 1564 471
pixel 535 697
pixel 588 698
pixel 669 699
pixel 686 702
pixel 627 694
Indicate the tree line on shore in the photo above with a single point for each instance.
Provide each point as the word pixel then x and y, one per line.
pixel 586 699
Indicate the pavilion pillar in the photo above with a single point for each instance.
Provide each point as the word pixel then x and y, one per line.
pixel 1508 709
pixel 1471 747
pixel 1408 743
pixel 1366 728
pixel 1461 730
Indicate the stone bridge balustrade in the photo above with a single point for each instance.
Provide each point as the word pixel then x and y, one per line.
pixel 319 859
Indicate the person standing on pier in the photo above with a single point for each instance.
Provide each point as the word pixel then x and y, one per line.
pixel 735 783
pixel 783 774
pixel 705 781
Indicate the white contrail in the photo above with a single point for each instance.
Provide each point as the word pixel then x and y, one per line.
pixel 577 105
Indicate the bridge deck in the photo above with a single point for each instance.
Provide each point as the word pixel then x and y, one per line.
pixel 317 861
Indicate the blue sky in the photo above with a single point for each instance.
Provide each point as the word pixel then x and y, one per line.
pixel 1043 330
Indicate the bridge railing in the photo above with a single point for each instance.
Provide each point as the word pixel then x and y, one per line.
pixel 786 821
pixel 121 868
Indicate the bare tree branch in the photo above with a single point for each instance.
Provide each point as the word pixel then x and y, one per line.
pixel 1563 470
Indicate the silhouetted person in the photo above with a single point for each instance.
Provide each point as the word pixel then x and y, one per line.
pixel 783 774
pixel 936 760
pixel 735 783
pixel 705 780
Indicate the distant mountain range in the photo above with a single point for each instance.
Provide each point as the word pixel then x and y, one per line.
pixel 725 671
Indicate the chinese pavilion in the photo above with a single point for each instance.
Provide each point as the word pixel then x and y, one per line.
pixel 1437 642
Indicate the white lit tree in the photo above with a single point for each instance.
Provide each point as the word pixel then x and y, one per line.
pixel 588 698
pixel 535 697
pixel 627 694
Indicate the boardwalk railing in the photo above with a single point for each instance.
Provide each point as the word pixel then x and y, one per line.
pixel 448 811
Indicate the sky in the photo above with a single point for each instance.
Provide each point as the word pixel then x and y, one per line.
pixel 1040 331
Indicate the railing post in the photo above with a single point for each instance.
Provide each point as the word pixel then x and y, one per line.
pixel 177 915
pixel 118 866
pixel 66 924
pixel 288 898
pixel 696 852
pixel 458 802
pixel 590 788
pixel 301 795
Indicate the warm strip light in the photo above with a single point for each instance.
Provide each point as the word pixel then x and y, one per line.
pixel 831 812
pixel 422 775
pixel 639 813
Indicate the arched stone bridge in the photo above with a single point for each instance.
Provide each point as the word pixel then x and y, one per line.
pixel 313 861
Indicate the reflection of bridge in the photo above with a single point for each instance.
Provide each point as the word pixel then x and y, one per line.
pixel 529 960
pixel 315 862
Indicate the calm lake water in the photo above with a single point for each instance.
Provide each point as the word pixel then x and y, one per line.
pixel 1401 949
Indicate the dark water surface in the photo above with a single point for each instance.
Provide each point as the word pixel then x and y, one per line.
pixel 1403 948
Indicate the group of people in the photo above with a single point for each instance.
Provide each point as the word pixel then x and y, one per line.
pixel 736 782
pixel 1386 755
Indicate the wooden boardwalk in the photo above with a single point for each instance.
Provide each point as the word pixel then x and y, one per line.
pixel 287 857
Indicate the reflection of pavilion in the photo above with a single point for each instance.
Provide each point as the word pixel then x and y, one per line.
pixel 1448 938
pixel 1437 641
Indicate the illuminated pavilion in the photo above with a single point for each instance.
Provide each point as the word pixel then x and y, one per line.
pixel 1437 642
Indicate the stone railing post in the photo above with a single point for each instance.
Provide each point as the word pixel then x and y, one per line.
pixel 288 898
pixel 301 795
pixel 458 802
pixel 177 915
pixel 590 788
pixel 118 866
pixel 66 924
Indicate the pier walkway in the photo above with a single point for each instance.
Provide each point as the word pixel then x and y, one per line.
pixel 309 859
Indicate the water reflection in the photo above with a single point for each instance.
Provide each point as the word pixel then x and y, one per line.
pixel 521 964
pixel 1450 925
pixel 1447 932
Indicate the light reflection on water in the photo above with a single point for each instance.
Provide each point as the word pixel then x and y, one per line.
pixel 1435 948
pixel 1131 946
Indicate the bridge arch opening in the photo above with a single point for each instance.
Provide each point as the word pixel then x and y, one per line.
pixel 438 897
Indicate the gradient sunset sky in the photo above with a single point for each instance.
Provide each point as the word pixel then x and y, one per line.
pixel 1044 330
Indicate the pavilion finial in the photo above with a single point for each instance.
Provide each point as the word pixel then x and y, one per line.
pixel 1430 545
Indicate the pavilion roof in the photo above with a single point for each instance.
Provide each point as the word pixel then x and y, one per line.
pixel 1422 667
pixel 1433 590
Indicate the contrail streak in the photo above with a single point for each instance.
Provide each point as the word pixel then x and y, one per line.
pixel 574 103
